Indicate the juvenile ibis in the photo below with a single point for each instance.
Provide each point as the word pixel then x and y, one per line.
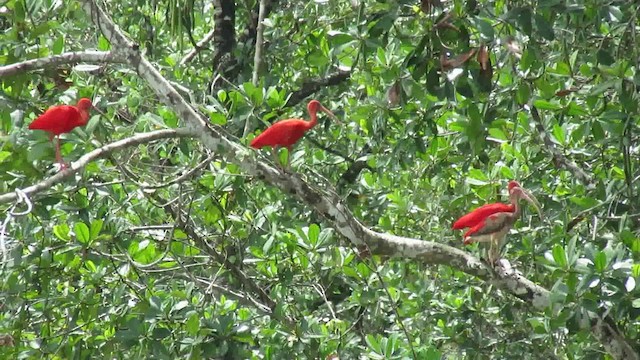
pixel 491 222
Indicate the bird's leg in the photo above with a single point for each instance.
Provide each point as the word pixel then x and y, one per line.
pixel 274 151
pixel 492 251
pixel 59 155
pixel 289 157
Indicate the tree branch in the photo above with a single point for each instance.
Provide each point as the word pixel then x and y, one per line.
pixel 558 157
pixel 191 54
pixel 329 204
pixel 97 153
pixel 312 86
pixel 66 58
pixel 257 56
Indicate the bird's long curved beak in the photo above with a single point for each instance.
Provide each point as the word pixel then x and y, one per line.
pixel 330 114
pixel 528 196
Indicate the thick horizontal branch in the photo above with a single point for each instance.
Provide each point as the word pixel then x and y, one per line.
pixel 97 153
pixel 66 58
pixel 328 203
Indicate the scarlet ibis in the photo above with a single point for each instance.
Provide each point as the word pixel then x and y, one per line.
pixel 285 133
pixel 491 222
pixel 62 119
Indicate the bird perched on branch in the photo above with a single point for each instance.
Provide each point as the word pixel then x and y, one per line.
pixel 285 133
pixel 491 222
pixel 62 119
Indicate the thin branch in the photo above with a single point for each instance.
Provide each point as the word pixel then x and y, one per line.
pixel 558 157
pixel 191 54
pixel 85 159
pixel 243 298
pixel 310 87
pixel 66 58
pixel 335 152
pixel 187 227
pixel 151 227
pixel 318 288
pixel 182 177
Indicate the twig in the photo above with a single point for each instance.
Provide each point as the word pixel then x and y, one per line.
pixel 151 227
pixel 558 157
pixel 329 150
pixel 182 177
pixel 312 86
pixel 191 54
pixel 323 294
pixel 394 305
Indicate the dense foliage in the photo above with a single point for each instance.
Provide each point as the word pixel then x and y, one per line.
pixel 169 250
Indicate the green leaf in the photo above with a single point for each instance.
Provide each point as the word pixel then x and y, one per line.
pixel 82 232
pixel 193 324
pixel 373 343
pixel 313 233
pixel 525 21
pixel 477 177
pixel 124 270
pixel 546 105
pixel 62 232
pixel 267 245
pixel 180 305
pixel 58 45
pixel 600 261
pixel 523 94
pixel 616 14
pixel 544 28
pixel 40 29
pixel 605 58
pixel 433 354
pixel 559 256
pixel 484 27
pixel 103 43
pixel 96 227
pixel 254 93
pixel 559 134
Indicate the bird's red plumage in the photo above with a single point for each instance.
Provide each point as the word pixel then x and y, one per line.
pixel 62 118
pixel 284 133
pixel 478 215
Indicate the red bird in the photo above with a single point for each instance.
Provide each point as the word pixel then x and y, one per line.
pixel 62 119
pixel 285 133
pixel 492 222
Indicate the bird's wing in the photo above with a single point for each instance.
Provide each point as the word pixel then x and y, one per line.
pixel 478 215
pixel 493 223
pixel 283 133
pixel 53 120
